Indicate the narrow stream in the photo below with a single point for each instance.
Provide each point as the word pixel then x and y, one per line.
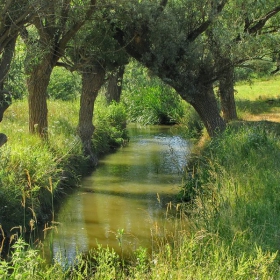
pixel 126 196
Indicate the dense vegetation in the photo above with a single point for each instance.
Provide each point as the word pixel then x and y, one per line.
pixel 58 121
pixel 34 173
pixel 229 228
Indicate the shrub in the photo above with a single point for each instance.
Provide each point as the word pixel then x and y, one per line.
pixel 64 85
pixel 148 100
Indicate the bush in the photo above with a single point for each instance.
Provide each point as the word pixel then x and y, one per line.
pixel 110 122
pixel 148 100
pixel 64 85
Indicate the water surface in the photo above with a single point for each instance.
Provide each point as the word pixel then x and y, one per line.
pixel 128 192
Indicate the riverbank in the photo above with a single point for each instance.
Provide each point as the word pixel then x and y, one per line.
pixel 233 225
pixel 36 175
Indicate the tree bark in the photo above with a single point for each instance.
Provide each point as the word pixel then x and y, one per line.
pixel 114 88
pixel 226 91
pixel 37 83
pixel 3 139
pixel 92 80
pixel 205 105
pixel 6 59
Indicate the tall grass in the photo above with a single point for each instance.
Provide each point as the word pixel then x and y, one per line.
pixel 237 189
pixel 228 230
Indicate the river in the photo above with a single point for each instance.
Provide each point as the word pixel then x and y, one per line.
pixel 124 201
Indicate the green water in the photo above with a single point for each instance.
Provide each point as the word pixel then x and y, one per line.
pixel 128 191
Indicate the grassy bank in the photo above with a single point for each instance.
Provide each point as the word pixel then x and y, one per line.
pixel 35 174
pixel 230 228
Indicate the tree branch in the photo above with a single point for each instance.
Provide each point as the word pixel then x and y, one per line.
pixel 203 27
pixel 261 23
pixel 74 29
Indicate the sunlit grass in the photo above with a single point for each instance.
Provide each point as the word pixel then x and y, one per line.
pixel 232 222
pixel 259 89
pixel 259 100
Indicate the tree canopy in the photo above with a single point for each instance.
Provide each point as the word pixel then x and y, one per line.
pixel 190 45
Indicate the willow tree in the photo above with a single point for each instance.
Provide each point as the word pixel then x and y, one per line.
pixel 14 15
pixel 173 39
pixel 169 38
pixel 252 36
pixel 52 29
pixel 93 53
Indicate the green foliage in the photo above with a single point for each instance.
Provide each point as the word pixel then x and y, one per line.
pixel 148 100
pixel 238 186
pixel 200 256
pixel 110 123
pixel 64 85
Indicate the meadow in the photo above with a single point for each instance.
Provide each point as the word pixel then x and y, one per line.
pixel 228 206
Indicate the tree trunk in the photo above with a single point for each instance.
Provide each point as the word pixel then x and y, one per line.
pixel 92 80
pixel 3 139
pixel 6 59
pixel 37 84
pixel 114 89
pixel 226 90
pixel 205 105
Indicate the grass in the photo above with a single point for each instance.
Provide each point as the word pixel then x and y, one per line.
pixel 259 100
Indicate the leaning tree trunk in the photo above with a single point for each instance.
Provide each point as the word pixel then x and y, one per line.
pixel 92 80
pixel 226 90
pixel 37 84
pixel 6 59
pixel 114 88
pixel 205 105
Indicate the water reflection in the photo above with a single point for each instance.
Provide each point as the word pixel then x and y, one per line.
pixel 129 191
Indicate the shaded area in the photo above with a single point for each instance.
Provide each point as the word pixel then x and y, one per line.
pixel 259 106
